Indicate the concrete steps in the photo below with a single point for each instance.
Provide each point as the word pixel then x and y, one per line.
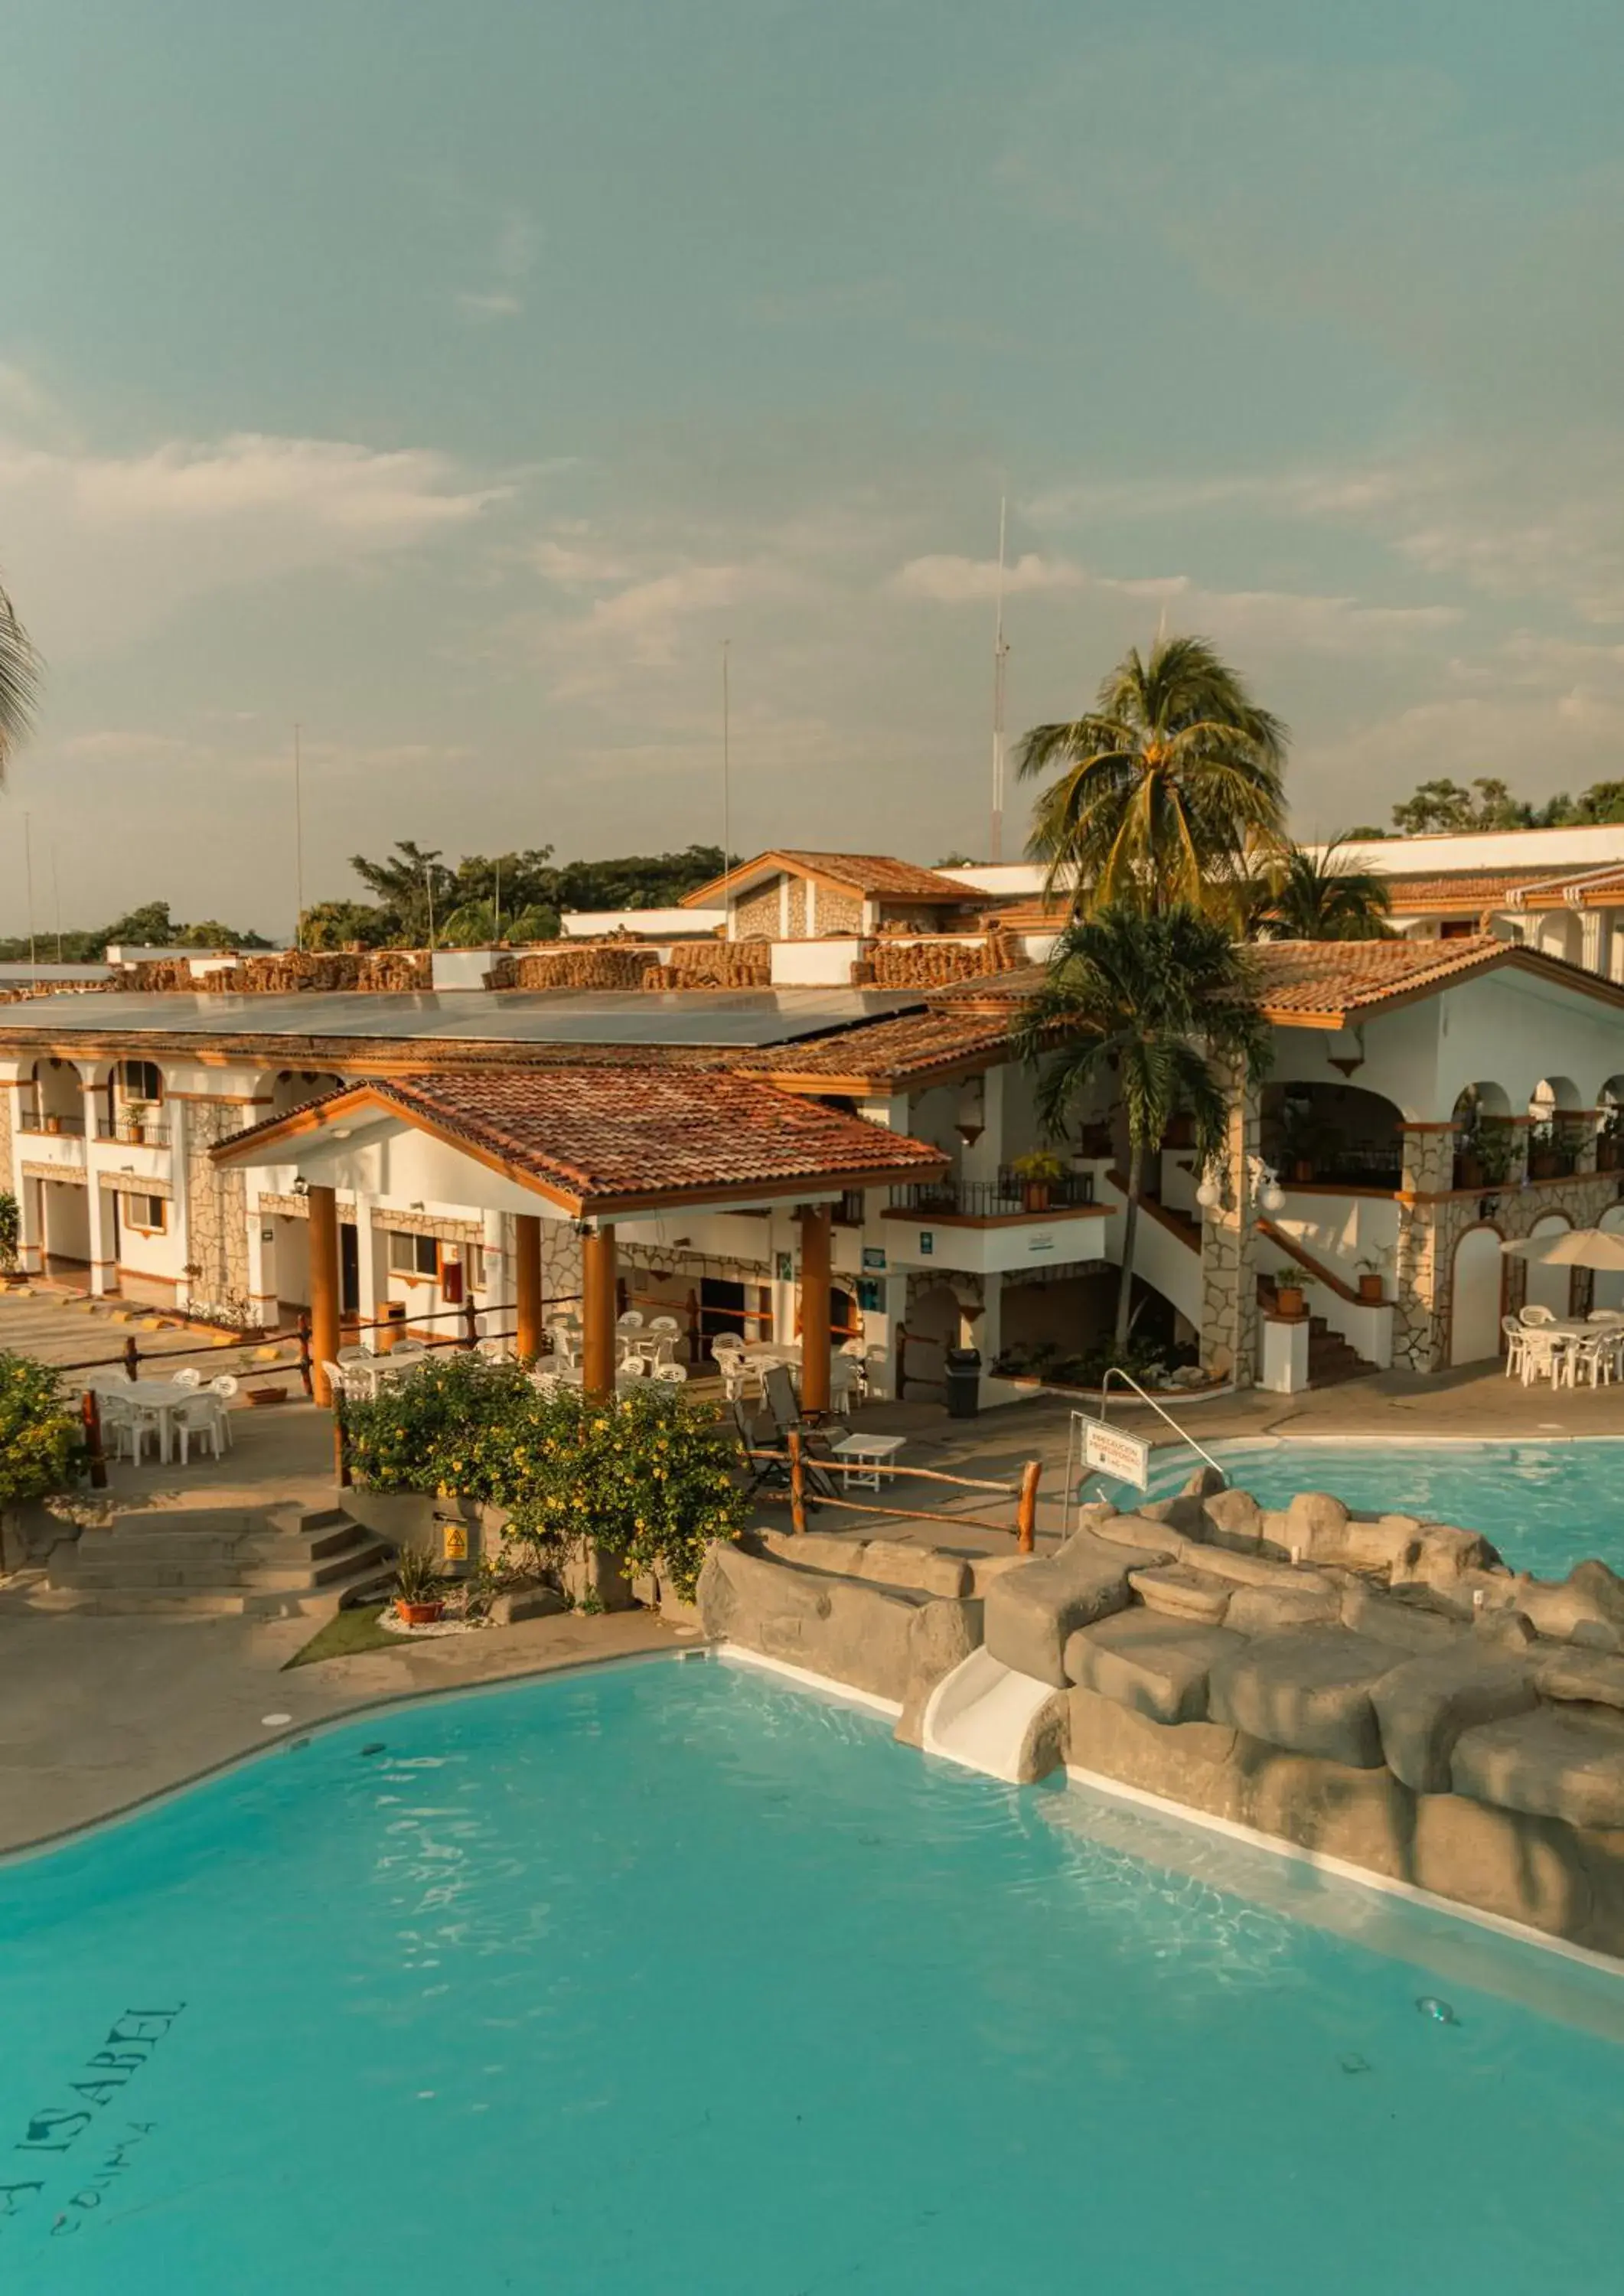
pixel 217 1563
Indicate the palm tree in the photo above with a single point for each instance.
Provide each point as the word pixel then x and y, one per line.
pixel 1145 999
pixel 1167 783
pixel 1300 895
pixel 19 682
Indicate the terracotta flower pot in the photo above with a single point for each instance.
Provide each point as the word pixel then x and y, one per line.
pixel 1035 1195
pixel 1288 1300
pixel 419 1614
pixel 1370 1288
pixel 1302 1169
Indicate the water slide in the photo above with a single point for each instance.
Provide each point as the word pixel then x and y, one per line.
pixel 981 1715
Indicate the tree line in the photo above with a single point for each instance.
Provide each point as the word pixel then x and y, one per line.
pixel 419 897
pixel 1438 807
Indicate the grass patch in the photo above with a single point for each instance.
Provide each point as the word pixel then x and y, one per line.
pixel 347 1634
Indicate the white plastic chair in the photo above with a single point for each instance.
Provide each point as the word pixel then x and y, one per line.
pixel 199 1420
pixel 631 1321
pixel 126 1424
pixel 189 1376
pixel 1535 1316
pixel 1515 1335
pixel 670 1374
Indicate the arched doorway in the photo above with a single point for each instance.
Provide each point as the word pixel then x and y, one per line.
pixel 1476 1295
pixel 1549 1287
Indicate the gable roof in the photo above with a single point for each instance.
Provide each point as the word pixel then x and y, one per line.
pixel 876 875
pixel 1318 984
pixel 597 1140
pixel 911 1050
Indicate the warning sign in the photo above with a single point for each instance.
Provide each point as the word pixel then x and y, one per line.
pixel 1112 1451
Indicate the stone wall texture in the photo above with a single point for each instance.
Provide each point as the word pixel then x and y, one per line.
pixel 1229 1250
pixel 755 917
pixel 217 1217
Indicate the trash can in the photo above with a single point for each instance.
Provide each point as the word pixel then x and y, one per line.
pixel 963 1382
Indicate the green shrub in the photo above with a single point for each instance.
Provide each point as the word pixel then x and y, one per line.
pixel 41 1441
pixel 10 1231
pixel 646 1477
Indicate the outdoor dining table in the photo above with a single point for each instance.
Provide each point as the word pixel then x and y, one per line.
pixel 364 1376
pixel 159 1399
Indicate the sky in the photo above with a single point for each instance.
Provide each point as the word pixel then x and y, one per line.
pixel 453 382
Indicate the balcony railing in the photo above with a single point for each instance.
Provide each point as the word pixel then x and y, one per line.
pixel 150 1132
pixel 1004 1198
pixel 46 1120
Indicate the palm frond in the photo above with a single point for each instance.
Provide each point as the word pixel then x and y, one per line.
pixel 19 676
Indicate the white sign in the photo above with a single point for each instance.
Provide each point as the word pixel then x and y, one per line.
pixel 1112 1451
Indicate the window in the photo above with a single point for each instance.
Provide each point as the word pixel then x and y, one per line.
pixel 851 1208
pixel 1457 929
pixel 151 1214
pixel 140 1080
pixel 412 1255
pixel 474 1266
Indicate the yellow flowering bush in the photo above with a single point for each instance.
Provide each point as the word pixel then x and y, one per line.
pixel 646 1476
pixel 41 1441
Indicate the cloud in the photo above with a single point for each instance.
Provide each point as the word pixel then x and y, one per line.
pixel 960 581
pixel 104 544
pixel 507 267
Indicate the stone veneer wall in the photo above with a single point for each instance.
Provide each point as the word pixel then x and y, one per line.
pixel 1431 1226
pixel 1229 1264
pixel 756 916
pixel 839 912
pixel 217 1216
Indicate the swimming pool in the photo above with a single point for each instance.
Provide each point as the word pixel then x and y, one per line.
pixel 1545 1505
pixel 670 1978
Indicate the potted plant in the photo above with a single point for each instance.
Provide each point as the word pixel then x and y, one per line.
pixel 1290 1283
pixel 133 1116
pixel 1037 1174
pixel 1544 1150
pixel 1372 1269
pixel 418 1599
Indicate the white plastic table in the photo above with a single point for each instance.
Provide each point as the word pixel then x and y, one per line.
pixel 860 1455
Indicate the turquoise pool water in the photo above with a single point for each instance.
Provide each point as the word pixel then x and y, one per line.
pixel 1546 1505
pixel 670 1978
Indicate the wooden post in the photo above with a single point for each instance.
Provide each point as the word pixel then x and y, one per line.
pixel 305 1375
pixel 598 1310
pixel 323 1289
pixel 798 1483
pixel 814 1307
pixel 1026 1513
pixel 90 1412
pixel 131 1358
pixel 527 1285
pixel 471 1323
pixel 340 1444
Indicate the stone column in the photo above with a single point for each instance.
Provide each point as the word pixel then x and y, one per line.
pixel 30 1221
pixel 527 1284
pixel 1229 1247
pixel 598 1310
pixel 1421 1273
pixel 264 1306
pixel 323 1288
pixel 815 1272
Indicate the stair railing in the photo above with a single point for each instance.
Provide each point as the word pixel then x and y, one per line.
pixel 1115 1371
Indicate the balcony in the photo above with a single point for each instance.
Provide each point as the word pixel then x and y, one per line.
pixel 1008 1197
pixel 33 1118
pixel 148 1132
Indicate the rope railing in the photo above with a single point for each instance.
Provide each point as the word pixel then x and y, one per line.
pixel 1024 1492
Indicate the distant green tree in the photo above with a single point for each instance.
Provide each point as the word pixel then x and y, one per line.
pixel 341 924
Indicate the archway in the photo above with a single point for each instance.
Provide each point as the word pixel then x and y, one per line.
pixel 1486 1140
pixel 52 1097
pixel 1557 1127
pixel 1329 1134
pixel 293 1089
pixel 1549 1287
pixel 1476 1295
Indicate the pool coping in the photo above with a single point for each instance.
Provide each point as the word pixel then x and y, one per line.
pixel 283 1738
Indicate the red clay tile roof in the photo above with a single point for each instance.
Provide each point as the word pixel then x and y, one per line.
pixel 1467 889
pixel 876 874
pixel 1298 979
pixel 596 1139
pixel 887 1053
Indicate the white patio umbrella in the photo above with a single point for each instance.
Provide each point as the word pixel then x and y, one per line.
pixel 1575 1247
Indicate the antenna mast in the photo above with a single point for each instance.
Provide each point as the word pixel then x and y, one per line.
pixel 299 843
pixel 27 863
pixel 726 793
pixel 1000 654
